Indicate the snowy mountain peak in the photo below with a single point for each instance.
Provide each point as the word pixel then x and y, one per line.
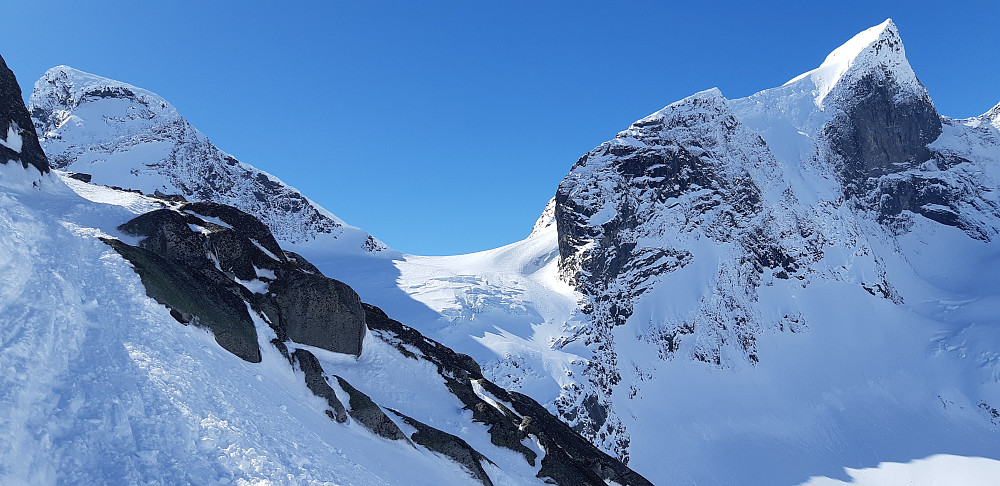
pixel 63 89
pixel 875 51
pixel 132 138
pixel 993 116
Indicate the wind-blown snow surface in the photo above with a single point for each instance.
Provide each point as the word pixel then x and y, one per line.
pixel 132 138
pixel 100 385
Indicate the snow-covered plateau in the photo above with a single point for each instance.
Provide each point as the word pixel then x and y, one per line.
pixel 797 287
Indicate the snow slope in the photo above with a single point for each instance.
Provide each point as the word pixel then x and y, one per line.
pixel 132 138
pixel 751 299
pixel 101 385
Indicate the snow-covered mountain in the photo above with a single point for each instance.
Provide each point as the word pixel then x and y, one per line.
pixel 149 340
pixel 760 290
pixel 129 137
pixel 749 291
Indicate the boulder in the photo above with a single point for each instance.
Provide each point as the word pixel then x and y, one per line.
pixel 202 297
pixel 319 311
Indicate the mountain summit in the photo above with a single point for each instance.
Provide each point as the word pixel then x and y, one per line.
pixel 730 291
pixel 132 138
pixel 878 51
pixel 734 290
pixel 771 236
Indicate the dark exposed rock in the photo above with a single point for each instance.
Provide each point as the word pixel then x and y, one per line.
pixel 877 133
pixel 166 197
pixel 457 365
pixel 452 446
pixel 200 296
pixel 242 222
pixel 301 304
pixel 80 176
pixel 14 118
pixel 364 410
pixel 504 427
pixel 320 311
pixel 167 233
pixel 298 262
pixel 569 458
pixel 283 349
pixel 316 381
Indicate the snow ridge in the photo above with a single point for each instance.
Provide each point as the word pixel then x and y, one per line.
pixel 129 137
pixel 877 49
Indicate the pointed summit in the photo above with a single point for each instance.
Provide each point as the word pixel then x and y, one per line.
pixel 877 51
pixel 993 116
pixel 62 89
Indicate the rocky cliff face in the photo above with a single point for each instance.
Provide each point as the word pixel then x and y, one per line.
pixel 129 137
pixel 724 200
pixel 19 140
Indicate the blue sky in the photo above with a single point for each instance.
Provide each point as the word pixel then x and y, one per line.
pixel 444 127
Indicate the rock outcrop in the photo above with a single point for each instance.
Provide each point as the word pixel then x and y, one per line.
pixel 511 417
pixel 18 139
pixel 318 384
pixel 206 247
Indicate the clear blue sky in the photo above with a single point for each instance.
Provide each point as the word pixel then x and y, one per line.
pixel 444 127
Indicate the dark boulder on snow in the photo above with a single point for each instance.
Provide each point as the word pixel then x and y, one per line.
pixel 319 311
pixel 229 245
pixel 245 224
pixel 196 296
pixel 168 233
pixel 450 445
pixel 369 414
pixel 316 382
pixel 17 131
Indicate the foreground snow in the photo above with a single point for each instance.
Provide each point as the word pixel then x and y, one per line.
pixel 840 377
pixel 99 382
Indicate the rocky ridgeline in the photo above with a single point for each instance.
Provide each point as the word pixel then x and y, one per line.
pixel 213 265
pixel 709 180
